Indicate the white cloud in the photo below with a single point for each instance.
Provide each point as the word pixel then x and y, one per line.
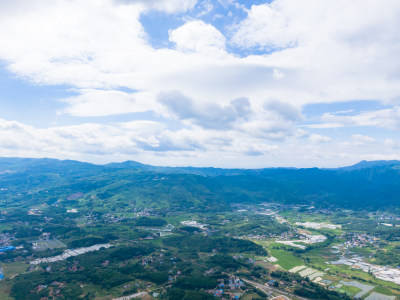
pixel 169 6
pixel 317 138
pixel 323 125
pixel 362 140
pixel 207 7
pixel 267 26
pixel 94 103
pixel 333 50
pixel 208 115
pixel 388 118
pixel 283 109
pixel 145 138
pixel 152 142
pixel 105 47
pixel 278 74
pixel 312 51
pixel 197 36
pixel 392 144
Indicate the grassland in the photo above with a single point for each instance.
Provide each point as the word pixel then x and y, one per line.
pixel 349 290
pixel 14 268
pixel 5 291
pixel 251 296
pixel 286 259
pixel 4 227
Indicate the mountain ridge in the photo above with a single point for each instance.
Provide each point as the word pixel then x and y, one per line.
pixel 130 164
pixel 33 181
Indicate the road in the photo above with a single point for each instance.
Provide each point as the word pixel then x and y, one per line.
pixel 261 286
pixel 253 283
pixel 265 288
pixel 131 296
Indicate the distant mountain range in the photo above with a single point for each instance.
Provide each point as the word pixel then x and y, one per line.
pixel 17 163
pixel 367 184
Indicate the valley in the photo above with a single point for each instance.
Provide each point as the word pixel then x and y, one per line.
pixel 98 232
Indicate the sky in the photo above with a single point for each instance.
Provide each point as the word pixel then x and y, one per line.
pixel 221 83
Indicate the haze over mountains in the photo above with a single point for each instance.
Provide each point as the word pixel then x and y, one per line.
pixel 367 185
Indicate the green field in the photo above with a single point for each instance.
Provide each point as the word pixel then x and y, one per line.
pixel 50 244
pixel 4 227
pixel 11 269
pixel 286 259
pixel 251 296
pixel 4 291
pixel 349 290
pixel 386 291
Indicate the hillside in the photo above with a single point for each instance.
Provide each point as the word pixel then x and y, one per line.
pixel 26 182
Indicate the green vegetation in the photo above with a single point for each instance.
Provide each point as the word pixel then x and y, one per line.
pixel 150 222
pixel 391 257
pixel 243 213
pixel 208 244
pixel 88 241
pixel 286 259
pixel 315 291
pixel 225 262
pixel 182 294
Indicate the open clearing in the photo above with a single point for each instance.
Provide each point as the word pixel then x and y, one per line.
pixel 307 272
pixel 14 268
pixel 363 287
pixel 49 244
pixel 296 269
pixel 286 259
pixel 377 296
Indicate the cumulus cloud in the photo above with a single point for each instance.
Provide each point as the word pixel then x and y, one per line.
pixel 362 140
pixel 89 138
pixel 334 50
pixel 317 138
pixel 137 138
pixel 153 142
pixel 105 46
pixel 207 115
pixel 267 26
pixel 284 109
pixel 197 36
pixel 388 118
pixel 95 103
pixel 170 6
pixel 270 129
pixel 295 52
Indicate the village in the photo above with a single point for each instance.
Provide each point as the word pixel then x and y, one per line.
pixel 381 272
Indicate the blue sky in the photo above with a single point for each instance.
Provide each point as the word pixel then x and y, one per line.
pixel 224 83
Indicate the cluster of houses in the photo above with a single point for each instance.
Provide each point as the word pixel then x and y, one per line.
pixel 54 290
pixel 108 218
pixel 358 240
pixel 381 272
pixel 5 239
pixel 386 217
pixel 89 219
pixel 146 212
pixel 194 224
pixel 303 239
pixel 232 289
